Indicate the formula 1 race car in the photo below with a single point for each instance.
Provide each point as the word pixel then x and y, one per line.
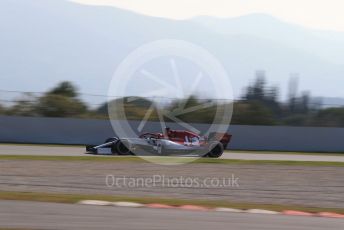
pixel 167 143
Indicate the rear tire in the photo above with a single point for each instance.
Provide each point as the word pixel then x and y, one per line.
pixel 215 150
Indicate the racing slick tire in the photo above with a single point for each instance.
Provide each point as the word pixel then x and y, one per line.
pixel 215 150
pixel 122 147
pixel 113 147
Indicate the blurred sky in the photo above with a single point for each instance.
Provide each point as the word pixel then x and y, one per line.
pixel 318 14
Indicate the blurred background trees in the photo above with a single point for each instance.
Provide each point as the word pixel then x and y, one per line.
pixel 24 106
pixel 2 109
pixel 132 108
pixel 333 117
pixel 61 101
pixel 258 105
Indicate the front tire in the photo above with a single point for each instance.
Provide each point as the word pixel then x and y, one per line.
pixel 123 148
pixel 113 146
pixel 215 150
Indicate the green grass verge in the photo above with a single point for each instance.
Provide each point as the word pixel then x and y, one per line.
pixel 286 153
pixel 74 198
pixel 167 160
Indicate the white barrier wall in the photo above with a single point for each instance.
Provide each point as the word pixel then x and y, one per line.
pixel 85 131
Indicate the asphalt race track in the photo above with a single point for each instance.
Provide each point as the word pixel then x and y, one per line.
pixel 45 150
pixel 35 215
